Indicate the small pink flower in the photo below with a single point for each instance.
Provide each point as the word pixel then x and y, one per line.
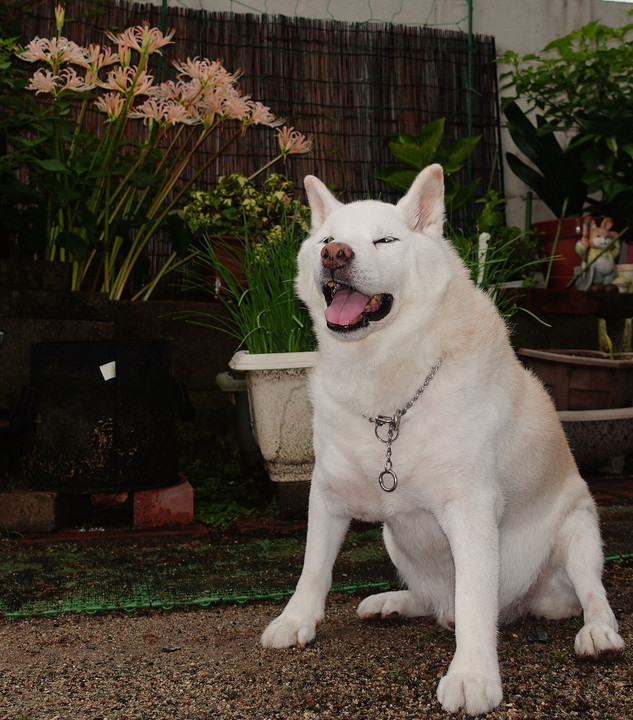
pixel 210 105
pixel 43 81
pixel 207 72
pixel 189 92
pixel 175 113
pixel 151 109
pixel 129 79
pixel 142 38
pixel 97 58
pixel 69 80
pixel 164 112
pixel 235 106
pixel 111 103
pixel 261 115
pixel 291 141
pixel 53 51
pixel 167 90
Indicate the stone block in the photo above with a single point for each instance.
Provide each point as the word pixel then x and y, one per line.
pixel 28 510
pixel 172 505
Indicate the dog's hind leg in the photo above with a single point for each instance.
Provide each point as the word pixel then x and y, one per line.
pixel 425 565
pixel 580 548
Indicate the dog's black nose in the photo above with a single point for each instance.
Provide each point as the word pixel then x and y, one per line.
pixel 336 255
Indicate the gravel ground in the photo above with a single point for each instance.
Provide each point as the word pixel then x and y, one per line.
pixel 202 664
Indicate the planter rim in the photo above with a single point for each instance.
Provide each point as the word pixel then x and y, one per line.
pixel 551 224
pixel 625 413
pixel 579 357
pixel 243 360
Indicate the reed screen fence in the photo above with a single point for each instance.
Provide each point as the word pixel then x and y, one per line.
pixel 352 86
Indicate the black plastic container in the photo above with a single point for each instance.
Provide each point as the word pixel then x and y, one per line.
pixel 105 416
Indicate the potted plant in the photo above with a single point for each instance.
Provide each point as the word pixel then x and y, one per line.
pixel 500 257
pixel 415 152
pixel 276 344
pixel 581 147
pixel 235 208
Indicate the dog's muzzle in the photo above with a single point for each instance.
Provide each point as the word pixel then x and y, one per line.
pixel 349 309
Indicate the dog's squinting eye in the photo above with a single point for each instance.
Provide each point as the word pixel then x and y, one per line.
pixel 327 240
pixel 387 239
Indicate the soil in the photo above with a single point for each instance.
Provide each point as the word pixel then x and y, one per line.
pixel 207 663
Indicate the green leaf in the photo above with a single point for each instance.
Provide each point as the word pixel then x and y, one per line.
pixel 412 154
pixel 462 194
pixel 178 232
pixel 52 165
pixel 74 243
pixel 535 181
pixel 399 178
pixel 452 158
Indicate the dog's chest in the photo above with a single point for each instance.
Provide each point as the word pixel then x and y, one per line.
pixel 372 479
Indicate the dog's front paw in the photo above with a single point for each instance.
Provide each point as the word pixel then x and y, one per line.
pixel 598 637
pixel 475 693
pixel 288 630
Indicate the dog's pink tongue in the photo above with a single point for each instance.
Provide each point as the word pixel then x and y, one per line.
pixel 346 308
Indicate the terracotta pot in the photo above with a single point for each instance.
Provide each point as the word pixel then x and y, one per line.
pixel 583 379
pixel 565 257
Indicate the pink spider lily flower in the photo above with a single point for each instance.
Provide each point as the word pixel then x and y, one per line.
pixel 260 115
pixel 207 72
pixel 176 113
pixel 189 92
pixel 167 90
pixel 235 106
pixel 164 112
pixel 69 80
pixel 98 57
pixel 43 81
pixel 142 38
pixel 292 142
pixel 112 104
pixel 126 79
pixel 53 51
pixel 151 109
pixel 210 105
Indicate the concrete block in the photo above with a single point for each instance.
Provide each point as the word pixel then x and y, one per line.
pixel 171 505
pixel 28 510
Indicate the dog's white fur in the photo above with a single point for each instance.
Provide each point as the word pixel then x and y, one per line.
pixel 490 518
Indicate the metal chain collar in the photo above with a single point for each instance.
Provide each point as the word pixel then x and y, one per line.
pixel 388 480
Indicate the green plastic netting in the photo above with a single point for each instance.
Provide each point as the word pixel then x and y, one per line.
pixel 49 579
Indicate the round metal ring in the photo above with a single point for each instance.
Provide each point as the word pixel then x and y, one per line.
pixel 394 480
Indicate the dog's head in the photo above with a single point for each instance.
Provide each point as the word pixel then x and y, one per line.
pixel 365 263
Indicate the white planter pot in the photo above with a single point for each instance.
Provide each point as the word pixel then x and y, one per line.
pixel 280 411
pixel 599 437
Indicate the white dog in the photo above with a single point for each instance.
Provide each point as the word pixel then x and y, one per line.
pixel 424 420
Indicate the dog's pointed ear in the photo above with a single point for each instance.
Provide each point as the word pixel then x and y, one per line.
pixel 320 199
pixel 423 205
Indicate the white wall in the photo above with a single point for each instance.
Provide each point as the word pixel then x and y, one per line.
pixel 520 25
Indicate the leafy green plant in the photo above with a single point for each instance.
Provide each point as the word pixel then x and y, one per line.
pixel 555 173
pixel 98 199
pixel 503 255
pixel 236 203
pixel 264 313
pixel 415 152
pixel 582 85
pixel 222 494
